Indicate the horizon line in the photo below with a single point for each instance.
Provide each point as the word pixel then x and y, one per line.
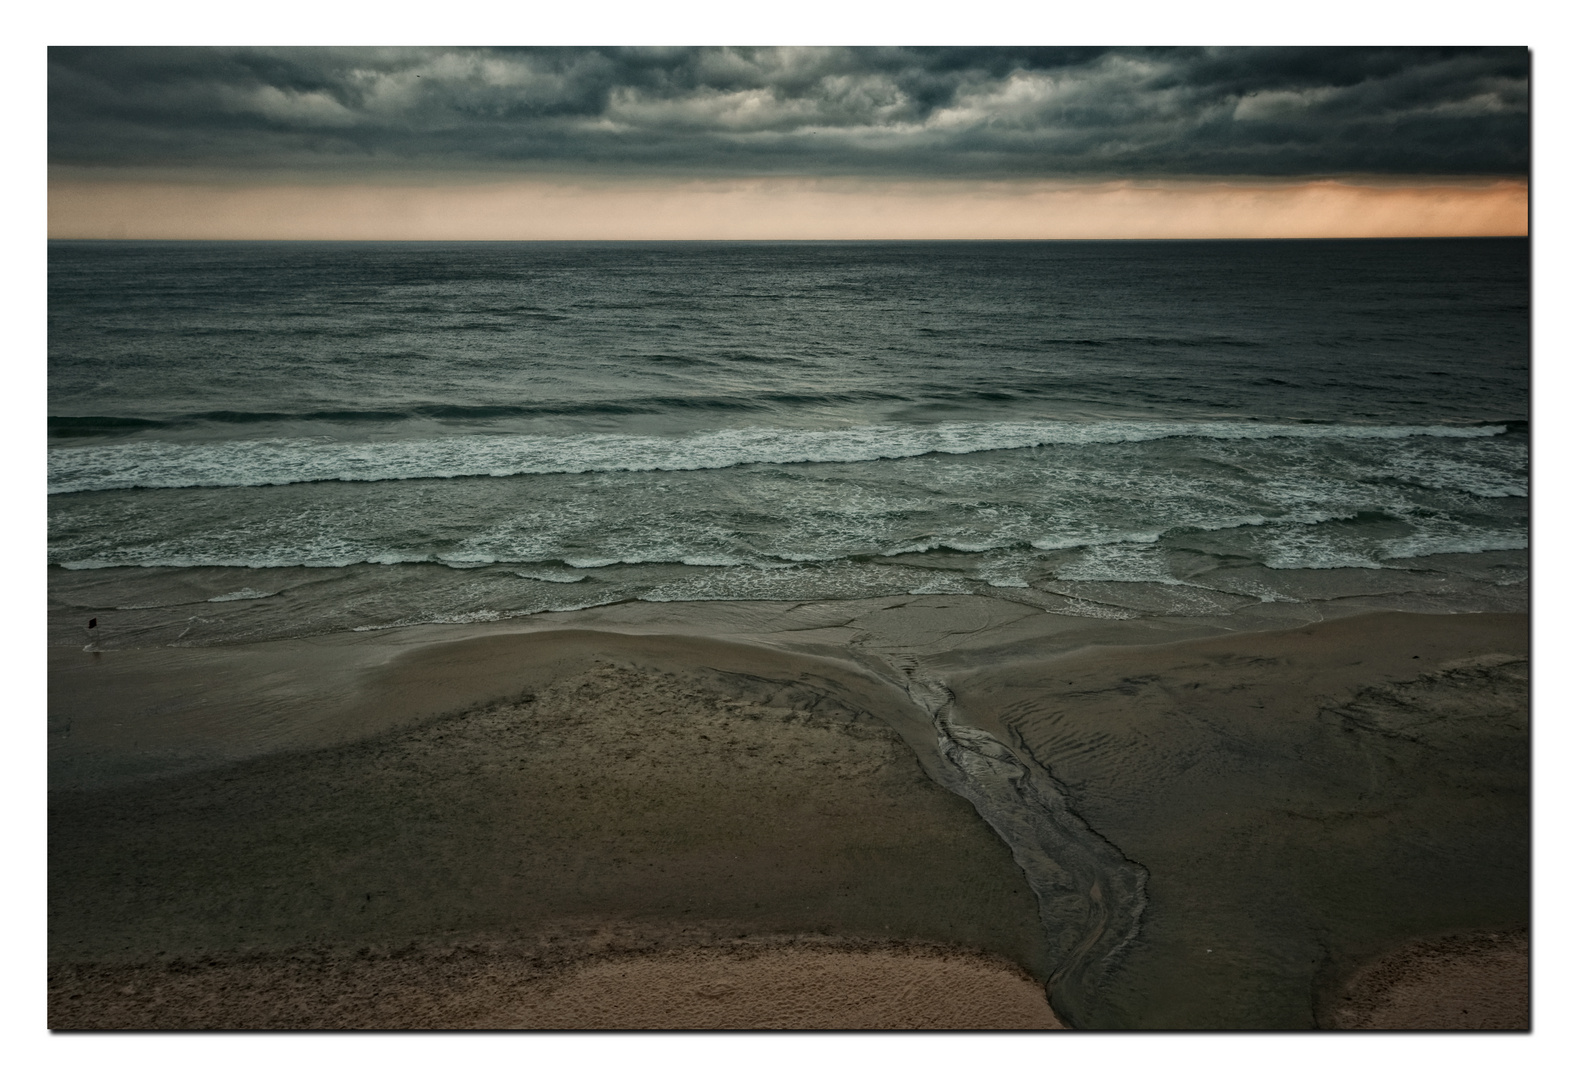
pixel 786 239
pixel 781 209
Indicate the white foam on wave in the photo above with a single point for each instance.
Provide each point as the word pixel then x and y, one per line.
pixel 1122 562
pixel 1069 541
pixel 1490 472
pixel 269 462
pixel 1285 542
pixel 1471 543
pixel 241 594
pixel 554 577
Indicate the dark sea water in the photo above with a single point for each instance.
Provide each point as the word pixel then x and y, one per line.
pixel 255 441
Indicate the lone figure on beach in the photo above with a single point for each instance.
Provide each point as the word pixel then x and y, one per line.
pixel 93 636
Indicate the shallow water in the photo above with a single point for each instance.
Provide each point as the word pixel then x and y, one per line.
pixel 253 441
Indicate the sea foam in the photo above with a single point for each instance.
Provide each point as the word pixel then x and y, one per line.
pixel 268 462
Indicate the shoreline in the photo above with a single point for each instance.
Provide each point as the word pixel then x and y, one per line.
pixel 907 671
pixel 300 693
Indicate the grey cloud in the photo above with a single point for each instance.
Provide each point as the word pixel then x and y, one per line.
pixel 893 112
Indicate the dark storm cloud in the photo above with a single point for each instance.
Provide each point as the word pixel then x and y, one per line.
pixel 895 112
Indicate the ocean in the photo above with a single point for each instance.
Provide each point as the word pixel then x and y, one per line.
pixel 274 440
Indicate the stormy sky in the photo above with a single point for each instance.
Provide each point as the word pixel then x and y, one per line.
pixel 936 113
pixel 786 143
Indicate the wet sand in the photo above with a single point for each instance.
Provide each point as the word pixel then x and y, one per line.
pixel 1302 801
pixel 452 828
pixel 626 801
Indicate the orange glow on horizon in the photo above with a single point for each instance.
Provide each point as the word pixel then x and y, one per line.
pixel 782 209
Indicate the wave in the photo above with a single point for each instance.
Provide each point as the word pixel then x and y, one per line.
pixel 1277 543
pixel 68 427
pixel 242 594
pixel 278 461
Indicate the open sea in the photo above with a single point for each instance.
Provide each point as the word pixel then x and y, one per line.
pixel 270 440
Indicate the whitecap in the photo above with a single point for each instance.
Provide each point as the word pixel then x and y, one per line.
pixel 270 462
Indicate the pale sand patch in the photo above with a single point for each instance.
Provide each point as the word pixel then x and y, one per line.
pixel 1468 982
pixel 608 981
pixel 793 989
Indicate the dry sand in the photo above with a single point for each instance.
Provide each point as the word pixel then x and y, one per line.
pixel 612 983
pixel 426 829
pixel 1463 982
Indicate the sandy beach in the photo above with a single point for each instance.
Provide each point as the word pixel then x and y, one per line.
pixel 917 812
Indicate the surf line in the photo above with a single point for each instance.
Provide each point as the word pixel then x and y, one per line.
pixel 1091 896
